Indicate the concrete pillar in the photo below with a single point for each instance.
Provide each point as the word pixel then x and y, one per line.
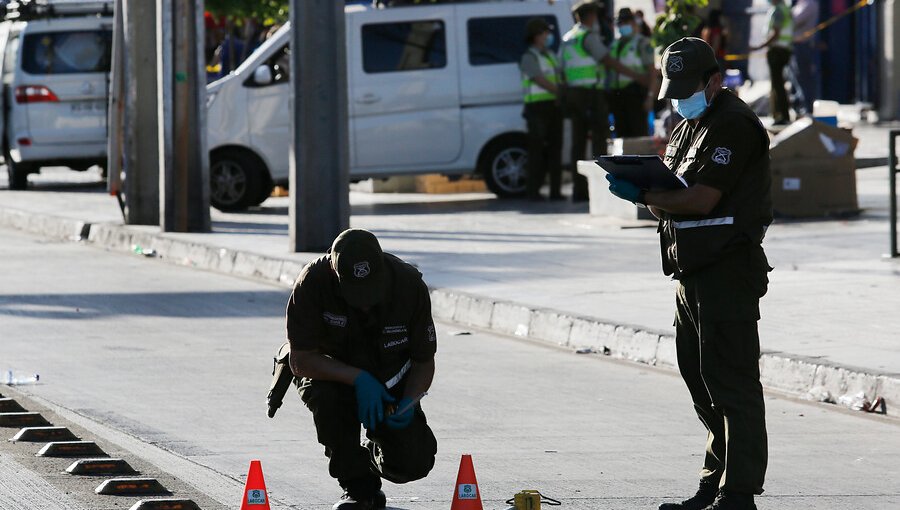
pixel 141 130
pixel 890 60
pixel 183 158
pixel 319 176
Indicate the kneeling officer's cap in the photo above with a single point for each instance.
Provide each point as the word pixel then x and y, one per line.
pixel 358 261
pixel 684 63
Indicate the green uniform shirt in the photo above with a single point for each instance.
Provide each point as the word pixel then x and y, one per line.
pixel 382 342
pixel 728 150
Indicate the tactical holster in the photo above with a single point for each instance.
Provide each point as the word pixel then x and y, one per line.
pixel 281 378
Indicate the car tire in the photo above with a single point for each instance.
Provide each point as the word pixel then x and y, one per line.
pixel 503 166
pixel 18 174
pixel 236 178
pixel 265 191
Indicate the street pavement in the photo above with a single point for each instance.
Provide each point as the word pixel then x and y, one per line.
pixel 180 359
pixel 832 296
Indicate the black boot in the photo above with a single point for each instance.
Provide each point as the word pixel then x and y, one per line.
pixel 705 496
pixel 732 501
pixel 350 501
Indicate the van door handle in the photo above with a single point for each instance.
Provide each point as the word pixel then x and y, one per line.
pixel 368 99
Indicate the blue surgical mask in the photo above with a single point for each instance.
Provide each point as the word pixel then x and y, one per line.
pixel 626 30
pixel 551 40
pixel 692 107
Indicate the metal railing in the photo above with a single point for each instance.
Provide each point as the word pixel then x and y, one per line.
pixel 893 170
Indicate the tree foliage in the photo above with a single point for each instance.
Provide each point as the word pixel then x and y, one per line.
pixel 678 21
pixel 266 11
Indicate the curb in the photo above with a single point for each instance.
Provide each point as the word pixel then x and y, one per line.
pixel 796 375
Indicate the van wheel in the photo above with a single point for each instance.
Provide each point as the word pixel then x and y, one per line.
pixel 18 174
pixel 265 191
pixel 503 165
pixel 235 179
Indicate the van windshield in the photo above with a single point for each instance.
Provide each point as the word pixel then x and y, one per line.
pixel 83 51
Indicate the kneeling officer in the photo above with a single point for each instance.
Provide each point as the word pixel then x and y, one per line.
pixel 362 344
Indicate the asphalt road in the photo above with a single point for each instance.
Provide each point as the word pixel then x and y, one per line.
pixel 176 363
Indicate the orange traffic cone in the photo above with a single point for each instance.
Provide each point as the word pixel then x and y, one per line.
pixel 466 495
pixel 255 496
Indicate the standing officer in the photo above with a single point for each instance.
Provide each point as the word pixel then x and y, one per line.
pixel 632 95
pixel 542 86
pixel 779 41
pixel 363 342
pixel 585 61
pixel 711 236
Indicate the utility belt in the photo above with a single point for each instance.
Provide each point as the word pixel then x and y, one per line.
pixel 691 244
pixel 282 377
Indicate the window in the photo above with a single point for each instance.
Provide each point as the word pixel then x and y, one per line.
pixel 501 40
pixel 391 47
pixel 67 52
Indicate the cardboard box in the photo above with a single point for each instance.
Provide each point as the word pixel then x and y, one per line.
pixel 810 138
pixel 814 187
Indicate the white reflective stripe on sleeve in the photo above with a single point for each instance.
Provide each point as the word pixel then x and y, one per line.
pixel 399 377
pixel 728 220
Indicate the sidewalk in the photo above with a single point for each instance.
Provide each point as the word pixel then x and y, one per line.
pixel 553 273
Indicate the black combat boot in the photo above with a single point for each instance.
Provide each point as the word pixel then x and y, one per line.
pixel 732 501
pixel 705 496
pixel 350 501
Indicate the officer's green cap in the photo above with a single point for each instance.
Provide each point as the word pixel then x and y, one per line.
pixel 684 63
pixel 358 261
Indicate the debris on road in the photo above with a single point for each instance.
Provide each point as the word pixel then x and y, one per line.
pixel 139 250
pixel 460 333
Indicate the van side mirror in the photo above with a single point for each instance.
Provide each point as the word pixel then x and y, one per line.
pixel 262 75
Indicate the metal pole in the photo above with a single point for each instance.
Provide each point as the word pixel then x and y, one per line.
pixel 319 176
pixel 141 130
pixel 184 162
pixel 892 171
pixel 116 112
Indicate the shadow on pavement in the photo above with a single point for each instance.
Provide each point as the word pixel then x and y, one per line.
pixel 229 304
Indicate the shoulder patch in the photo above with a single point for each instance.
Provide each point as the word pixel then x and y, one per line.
pixel 722 156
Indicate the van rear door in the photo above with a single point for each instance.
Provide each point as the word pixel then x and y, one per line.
pixel 404 92
pixel 64 84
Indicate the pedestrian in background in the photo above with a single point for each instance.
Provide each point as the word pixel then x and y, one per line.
pixel 715 35
pixel 711 235
pixel 805 64
pixel 543 114
pixel 779 41
pixel 362 346
pixel 642 25
pixel 632 98
pixel 586 60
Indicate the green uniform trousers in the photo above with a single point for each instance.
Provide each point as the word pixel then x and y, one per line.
pixel 399 456
pixel 545 134
pixel 589 112
pixel 627 105
pixel 778 59
pixel 718 356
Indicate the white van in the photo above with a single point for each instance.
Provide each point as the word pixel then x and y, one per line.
pixel 55 73
pixel 432 89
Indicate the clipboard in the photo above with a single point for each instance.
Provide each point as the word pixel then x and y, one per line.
pixel 646 172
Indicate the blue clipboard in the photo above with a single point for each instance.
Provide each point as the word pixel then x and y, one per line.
pixel 648 173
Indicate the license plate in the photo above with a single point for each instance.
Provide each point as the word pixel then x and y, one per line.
pixel 88 107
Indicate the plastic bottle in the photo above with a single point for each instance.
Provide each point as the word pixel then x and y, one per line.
pixel 10 380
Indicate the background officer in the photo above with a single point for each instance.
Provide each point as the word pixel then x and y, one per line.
pixel 632 95
pixel 363 341
pixel 542 86
pixel 585 60
pixel 779 41
pixel 711 236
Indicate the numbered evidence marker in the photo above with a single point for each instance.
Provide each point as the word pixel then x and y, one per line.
pixel 467 491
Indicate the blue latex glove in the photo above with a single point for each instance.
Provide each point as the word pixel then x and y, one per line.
pixel 401 420
pixel 624 189
pixel 370 397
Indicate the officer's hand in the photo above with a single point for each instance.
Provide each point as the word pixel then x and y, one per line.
pixel 370 397
pixel 401 420
pixel 623 189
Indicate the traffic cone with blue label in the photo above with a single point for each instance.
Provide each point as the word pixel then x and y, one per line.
pixel 255 495
pixel 466 495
